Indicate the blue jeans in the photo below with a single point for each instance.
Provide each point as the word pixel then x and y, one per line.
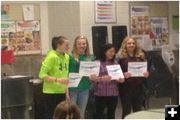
pixel 80 97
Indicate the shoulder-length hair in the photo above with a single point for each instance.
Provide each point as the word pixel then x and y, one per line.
pixel 75 52
pixel 102 52
pixel 123 50
pixel 66 110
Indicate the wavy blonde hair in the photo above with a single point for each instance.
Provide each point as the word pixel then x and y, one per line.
pixel 123 50
pixel 75 50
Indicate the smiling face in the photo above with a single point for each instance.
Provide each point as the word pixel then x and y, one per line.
pixel 131 46
pixel 81 46
pixel 64 47
pixel 110 54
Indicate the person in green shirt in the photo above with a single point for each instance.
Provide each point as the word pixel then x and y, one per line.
pixel 80 52
pixel 54 71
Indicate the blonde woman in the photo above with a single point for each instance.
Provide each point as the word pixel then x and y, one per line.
pixel 131 91
pixel 80 52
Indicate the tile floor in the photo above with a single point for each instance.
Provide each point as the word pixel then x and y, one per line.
pixel 154 103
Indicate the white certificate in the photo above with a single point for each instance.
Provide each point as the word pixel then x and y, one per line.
pixel 115 72
pixel 74 79
pixel 137 68
pixel 87 68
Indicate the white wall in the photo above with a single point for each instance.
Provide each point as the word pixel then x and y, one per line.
pixel 72 18
pixel 44 27
pixel 77 18
pixel 64 19
pixel 87 19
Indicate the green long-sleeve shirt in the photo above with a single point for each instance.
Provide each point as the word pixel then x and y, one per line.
pixel 55 65
pixel 74 67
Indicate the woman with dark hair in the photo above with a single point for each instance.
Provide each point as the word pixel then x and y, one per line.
pixel 54 72
pixel 106 92
pixel 66 110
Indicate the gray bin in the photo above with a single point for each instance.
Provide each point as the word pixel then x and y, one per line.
pixel 17 100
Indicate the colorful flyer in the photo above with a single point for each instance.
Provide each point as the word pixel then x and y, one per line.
pixel 5 11
pixel 140 25
pixel 159 31
pixel 28 37
pixel 8 35
pixel 105 11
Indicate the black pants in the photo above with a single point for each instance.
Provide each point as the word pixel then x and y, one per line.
pixel 131 98
pixel 50 102
pixel 105 101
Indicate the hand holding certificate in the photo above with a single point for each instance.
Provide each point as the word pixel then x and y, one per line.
pixel 115 72
pixel 74 79
pixel 88 68
pixel 137 69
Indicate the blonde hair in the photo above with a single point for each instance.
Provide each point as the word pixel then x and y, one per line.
pixel 123 50
pixel 75 51
pixel 66 110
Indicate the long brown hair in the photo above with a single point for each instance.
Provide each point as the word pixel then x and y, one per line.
pixel 123 50
pixel 75 51
pixel 66 110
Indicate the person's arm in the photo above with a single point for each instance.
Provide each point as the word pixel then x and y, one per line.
pixel 59 80
pixel 47 66
pixel 120 80
pixel 146 74
pixel 67 94
pixel 99 79
pixel 127 75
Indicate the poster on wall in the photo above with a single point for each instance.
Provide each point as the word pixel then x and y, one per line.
pixel 159 31
pixel 105 11
pixel 140 25
pixel 175 22
pixel 8 35
pixel 5 11
pixel 28 37
pixel 28 12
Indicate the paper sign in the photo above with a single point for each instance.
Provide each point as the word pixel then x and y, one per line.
pixel 74 79
pixel 115 72
pixel 88 68
pixel 7 57
pixel 28 11
pixel 137 68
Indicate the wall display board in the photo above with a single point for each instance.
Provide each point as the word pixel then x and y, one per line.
pixel 159 31
pixel 28 37
pixel 105 11
pixel 8 35
pixel 140 25
pixel 21 37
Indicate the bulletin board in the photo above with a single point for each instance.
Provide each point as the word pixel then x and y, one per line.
pixel 22 37
pixel 159 32
pixel 142 24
